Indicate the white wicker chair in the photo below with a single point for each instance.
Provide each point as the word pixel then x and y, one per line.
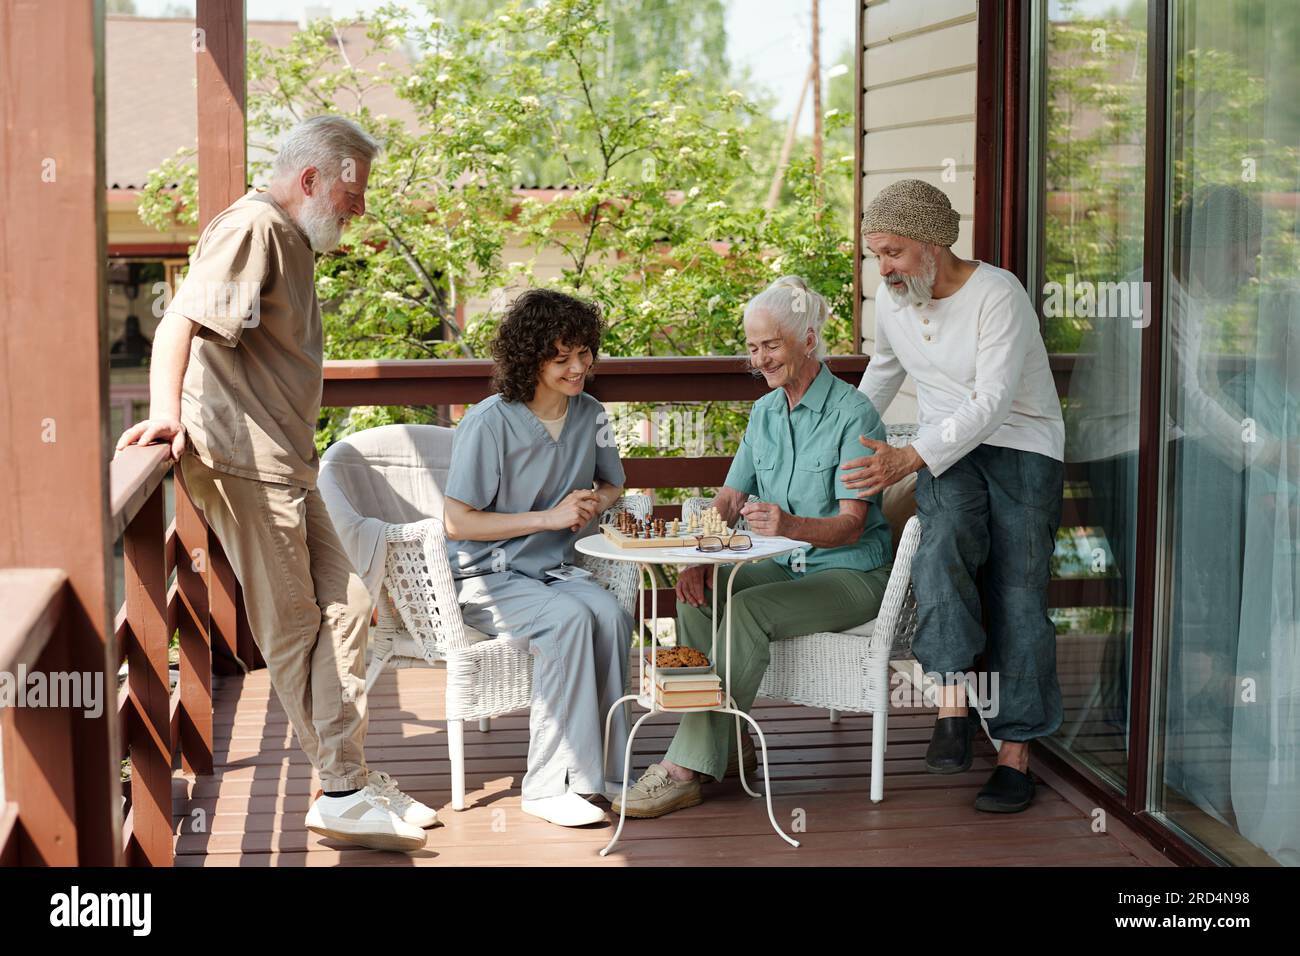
pixel 849 670
pixel 420 622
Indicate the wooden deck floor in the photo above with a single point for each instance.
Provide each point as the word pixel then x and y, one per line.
pixel 249 813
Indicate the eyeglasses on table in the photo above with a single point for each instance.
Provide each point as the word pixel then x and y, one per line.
pixel 712 543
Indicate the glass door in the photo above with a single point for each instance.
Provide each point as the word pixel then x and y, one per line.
pixel 1227 761
pixel 1090 71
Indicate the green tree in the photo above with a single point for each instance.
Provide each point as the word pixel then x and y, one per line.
pixel 1095 115
pixel 660 221
pixel 1094 149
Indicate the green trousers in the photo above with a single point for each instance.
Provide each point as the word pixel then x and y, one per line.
pixel 769 603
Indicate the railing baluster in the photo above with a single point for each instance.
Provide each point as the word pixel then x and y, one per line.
pixel 193 570
pixel 223 616
pixel 150 691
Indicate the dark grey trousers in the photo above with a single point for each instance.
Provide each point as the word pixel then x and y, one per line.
pixel 995 510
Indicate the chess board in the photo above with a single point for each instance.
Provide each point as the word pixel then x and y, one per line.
pixel 681 540
pixel 627 531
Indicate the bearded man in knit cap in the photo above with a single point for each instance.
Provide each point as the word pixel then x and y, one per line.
pixel 989 462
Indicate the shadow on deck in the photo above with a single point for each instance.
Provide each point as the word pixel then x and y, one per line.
pixel 250 812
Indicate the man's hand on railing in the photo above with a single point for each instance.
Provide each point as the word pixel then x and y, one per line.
pixel 155 431
pixel 690 584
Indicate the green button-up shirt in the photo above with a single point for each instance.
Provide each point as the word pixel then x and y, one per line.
pixel 791 457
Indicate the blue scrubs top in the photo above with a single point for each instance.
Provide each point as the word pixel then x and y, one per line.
pixel 791 457
pixel 504 460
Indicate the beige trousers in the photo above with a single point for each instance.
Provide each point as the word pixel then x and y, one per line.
pixel 308 609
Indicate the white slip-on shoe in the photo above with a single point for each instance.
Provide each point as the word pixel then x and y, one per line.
pixel 364 818
pixel 567 810
pixel 405 806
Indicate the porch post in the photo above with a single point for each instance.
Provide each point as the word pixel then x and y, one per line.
pixel 220 41
pixel 54 443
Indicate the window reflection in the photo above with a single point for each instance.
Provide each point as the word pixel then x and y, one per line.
pixel 1231 709
pixel 1093 123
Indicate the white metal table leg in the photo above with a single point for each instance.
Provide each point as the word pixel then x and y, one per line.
pixel 767 780
pixel 740 757
pixel 609 715
pixel 731 701
pixel 730 708
pixel 627 769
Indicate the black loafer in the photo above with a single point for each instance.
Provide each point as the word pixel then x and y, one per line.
pixel 951 747
pixel 1008 791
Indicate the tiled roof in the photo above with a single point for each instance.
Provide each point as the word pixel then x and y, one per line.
pixel 150 107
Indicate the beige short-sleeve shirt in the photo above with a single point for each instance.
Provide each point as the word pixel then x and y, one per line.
pixel 252 390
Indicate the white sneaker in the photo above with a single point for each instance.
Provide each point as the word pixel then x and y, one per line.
pixel 566 810
pixel 408 808
pixel 364 818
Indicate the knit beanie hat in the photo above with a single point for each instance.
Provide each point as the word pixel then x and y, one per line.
pixel 915 209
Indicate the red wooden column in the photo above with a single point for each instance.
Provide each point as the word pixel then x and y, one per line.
pixel 220 39
pixel 1002 138
pixel 54 404
pixel 219 42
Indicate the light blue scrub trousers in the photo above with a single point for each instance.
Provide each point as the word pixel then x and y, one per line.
pixel 580 638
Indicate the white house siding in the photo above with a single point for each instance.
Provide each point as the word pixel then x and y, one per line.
pixel 918 119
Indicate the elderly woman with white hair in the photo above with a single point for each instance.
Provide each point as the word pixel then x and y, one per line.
pixel 790 456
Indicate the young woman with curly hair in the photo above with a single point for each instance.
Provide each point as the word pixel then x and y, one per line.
pixel 531 468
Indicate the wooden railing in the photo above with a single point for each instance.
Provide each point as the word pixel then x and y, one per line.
pixel 158 723
pixel 202 607
pixel 37 822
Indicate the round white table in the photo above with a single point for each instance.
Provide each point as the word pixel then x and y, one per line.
pixel 599 546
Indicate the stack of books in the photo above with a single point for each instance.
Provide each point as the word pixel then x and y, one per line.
pixel 681 691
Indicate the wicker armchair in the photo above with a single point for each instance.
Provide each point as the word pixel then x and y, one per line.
pixel 849 670
pixel 419 617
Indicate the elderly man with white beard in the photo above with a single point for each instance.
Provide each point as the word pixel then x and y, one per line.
pixel 989 461
pixel 235 389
